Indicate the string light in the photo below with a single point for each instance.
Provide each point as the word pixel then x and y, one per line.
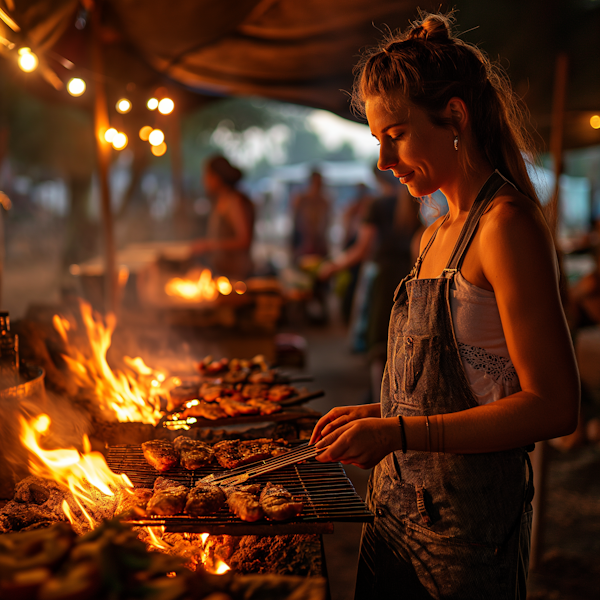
pixel 119 141
pixel 110 134
pixel 159 150
pixel 76 86
pixel 166 106
pixel 152 104
pixel 123 106
pixel 145 132
pixel 156 137
pixel 28 61
pixel 595 121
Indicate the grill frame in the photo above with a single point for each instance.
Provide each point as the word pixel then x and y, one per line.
pixel 325 489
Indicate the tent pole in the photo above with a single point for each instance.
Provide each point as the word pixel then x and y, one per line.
pixel 539 457
pixel 103 151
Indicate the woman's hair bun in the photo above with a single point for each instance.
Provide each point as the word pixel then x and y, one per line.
pixel 434 28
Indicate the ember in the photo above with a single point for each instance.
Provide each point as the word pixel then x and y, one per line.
pixel 121 396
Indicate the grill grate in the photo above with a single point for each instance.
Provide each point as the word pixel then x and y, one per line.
pixel 325 489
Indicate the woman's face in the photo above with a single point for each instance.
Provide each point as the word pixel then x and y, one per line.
pixel 419 153
pixel 212 181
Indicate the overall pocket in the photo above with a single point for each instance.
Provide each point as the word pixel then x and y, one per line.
pixel 416 351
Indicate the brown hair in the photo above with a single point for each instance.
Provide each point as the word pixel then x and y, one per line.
pixel 429 66
pixel 221 167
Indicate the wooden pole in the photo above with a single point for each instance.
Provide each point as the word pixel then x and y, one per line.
pixel 539 457
pixel 103 154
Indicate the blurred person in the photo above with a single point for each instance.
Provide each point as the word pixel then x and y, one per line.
pixel 386 237
pixel 480 363
pixel 352 220
pixel 311 217
pixel 228 242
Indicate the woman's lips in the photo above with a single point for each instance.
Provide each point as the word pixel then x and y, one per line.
pixel 406 177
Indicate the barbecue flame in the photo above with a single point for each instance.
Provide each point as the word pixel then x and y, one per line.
pixel 201 287
pixel 85 474
pixel 122 396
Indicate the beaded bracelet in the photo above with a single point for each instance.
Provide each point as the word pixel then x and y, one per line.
pixel 402 434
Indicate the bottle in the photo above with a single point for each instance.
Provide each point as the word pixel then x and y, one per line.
pixel 9 353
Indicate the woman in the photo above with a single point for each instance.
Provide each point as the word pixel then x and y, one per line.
pixel 480 364
pixel 231 222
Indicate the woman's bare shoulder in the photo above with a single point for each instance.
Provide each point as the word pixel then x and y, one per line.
pixel 428 233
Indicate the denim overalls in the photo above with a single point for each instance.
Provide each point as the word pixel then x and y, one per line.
pixel 446 525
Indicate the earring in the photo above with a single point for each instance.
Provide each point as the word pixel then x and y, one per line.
pixel 456 142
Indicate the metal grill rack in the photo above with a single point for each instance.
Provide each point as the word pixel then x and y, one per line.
pixel 325 489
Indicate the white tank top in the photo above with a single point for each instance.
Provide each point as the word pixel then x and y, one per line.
pixel 481 341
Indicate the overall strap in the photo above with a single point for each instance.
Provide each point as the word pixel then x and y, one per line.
pixel 486 195
pixel 417 267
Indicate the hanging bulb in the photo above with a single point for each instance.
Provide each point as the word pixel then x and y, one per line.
pixel 110 134
pixel 76 86
pixel 28 61
pixel 159 150
pixel 166 106
pixel 145 132
pixel 156 137
pixel 152 104
pixel 595 121
pixel 123 106
pixel 119 141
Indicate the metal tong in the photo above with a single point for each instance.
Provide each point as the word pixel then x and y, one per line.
pixel 242 474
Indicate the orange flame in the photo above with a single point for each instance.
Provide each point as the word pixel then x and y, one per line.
pixel 80 472
pixel 201 287
pixel 123 396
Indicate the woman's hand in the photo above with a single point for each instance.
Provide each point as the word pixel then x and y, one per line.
pixel 362 442
pixel 341 415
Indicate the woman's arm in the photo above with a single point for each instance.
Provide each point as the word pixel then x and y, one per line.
pixel 518 260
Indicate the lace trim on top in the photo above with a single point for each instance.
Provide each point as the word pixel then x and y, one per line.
pixel 497 367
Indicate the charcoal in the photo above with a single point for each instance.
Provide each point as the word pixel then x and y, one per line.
pixel 34 490
pixel 16 516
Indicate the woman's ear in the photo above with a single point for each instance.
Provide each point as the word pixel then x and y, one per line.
pixel 456 111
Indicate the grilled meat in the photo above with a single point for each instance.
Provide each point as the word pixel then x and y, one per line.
pixel 204 499
pixel 193 453
pixel 132 503
pixel 234 407
pixel 243 501
pixel 205 411
pixel 280 392
pixel 180 395
pixel 169 497
pixel 262 377
pixel 161 454
pixel 234 377
pixel 265 407
pixel 255 390
pixel 235 453
pixel 278 504
pixel 209 392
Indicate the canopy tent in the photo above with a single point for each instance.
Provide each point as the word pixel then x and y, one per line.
pixel 303 52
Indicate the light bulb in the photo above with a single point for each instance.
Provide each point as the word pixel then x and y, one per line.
pixel 159 150
pixel 76 86
pixel 119 141
pixel 166 106
pixel 595 121
pixel 156 137
pixel 110 134
pixel 145 132
pixel 152 104
pixel 123 106
pixel 28 61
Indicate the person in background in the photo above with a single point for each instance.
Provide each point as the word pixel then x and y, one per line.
pixel 480 363
pixel 228 242
pixel 311 217
pixel 385 236
pixel 352 220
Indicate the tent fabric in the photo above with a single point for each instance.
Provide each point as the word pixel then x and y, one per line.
pixel 304 51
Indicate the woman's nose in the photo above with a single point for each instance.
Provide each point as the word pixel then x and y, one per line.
pixel 387 159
